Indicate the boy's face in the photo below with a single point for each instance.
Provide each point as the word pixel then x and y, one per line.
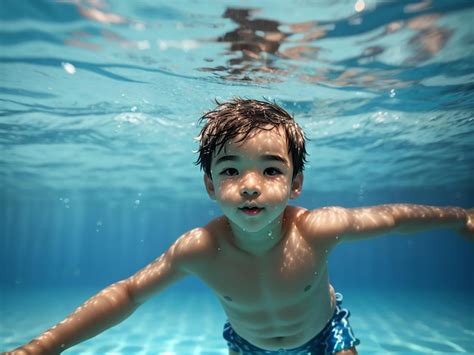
pixel 252 180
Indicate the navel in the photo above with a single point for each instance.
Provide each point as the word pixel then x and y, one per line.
pixel 228 298
pixel 307 288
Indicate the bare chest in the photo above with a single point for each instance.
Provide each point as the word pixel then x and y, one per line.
pixel 285 276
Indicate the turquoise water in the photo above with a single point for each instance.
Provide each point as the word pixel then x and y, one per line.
pixel 99 104
pixel 177 322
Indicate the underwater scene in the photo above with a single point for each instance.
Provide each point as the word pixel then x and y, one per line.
pixel 99 119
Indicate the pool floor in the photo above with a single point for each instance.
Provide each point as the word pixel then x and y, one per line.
pixel 190 322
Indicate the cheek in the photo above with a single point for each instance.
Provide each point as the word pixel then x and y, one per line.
pixel 227 191
pixel 278 189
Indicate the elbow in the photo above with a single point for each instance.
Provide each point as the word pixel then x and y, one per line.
pixel 121 294
pixel 135 291
pixel 391 221
pixel 388 222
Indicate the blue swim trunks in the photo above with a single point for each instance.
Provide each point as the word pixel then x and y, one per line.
pixel 336 336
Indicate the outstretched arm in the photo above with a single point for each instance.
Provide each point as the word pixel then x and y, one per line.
pixel 107 308
pixel 335 224
pixel 116 302
pixel 368 222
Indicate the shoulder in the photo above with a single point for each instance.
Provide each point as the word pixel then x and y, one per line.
pixel 194 247
pixel 193 243
pixel 323 223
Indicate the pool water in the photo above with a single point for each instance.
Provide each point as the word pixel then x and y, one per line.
pixel 180 322
pixel 99 107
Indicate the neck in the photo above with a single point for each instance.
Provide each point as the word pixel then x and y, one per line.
pixel 258 243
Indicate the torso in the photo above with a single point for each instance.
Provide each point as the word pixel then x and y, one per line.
pixel 278 301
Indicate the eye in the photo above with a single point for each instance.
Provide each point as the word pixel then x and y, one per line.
pixel 229 172
pixel 272 171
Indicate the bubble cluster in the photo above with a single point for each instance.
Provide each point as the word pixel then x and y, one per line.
pixel 65 201
pixel 98 225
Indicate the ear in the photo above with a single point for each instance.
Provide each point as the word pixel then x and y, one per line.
pixel 296 186
pixel 209 187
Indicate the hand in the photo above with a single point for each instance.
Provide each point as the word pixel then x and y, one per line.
pixel 29 349
pixel 468 230
pixel 19 351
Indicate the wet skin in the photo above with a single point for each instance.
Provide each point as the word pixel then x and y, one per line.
pixel 277 298
pixel 272 281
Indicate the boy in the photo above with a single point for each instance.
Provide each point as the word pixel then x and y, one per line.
pixel 265 260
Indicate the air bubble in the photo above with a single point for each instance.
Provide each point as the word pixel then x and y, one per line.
pixel 359 6
pixel 69 68
pixel 143 44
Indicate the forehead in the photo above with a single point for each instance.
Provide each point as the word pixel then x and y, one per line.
pixel 259 142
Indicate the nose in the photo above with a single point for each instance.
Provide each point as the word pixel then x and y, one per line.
pixel 250 186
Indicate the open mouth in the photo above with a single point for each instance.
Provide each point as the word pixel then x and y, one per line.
pixel 251 211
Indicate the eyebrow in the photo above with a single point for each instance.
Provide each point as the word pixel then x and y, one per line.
pixel 265 157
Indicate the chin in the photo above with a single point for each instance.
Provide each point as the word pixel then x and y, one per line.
pixel 254 227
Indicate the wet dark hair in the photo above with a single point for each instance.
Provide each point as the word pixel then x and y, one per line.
pixel 242 117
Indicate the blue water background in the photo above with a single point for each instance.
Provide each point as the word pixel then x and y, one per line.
pixel 98 115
